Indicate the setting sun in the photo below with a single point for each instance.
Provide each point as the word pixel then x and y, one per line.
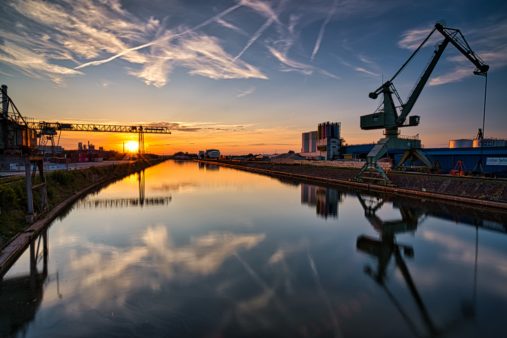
pixel 131 146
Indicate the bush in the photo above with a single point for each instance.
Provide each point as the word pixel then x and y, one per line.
pixel 8 198
pixel 62 177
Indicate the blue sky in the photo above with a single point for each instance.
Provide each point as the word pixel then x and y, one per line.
pixel 248 75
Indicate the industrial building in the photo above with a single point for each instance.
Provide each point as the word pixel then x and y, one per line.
pixel 309 144
pixel 324 143
pixel 477 155
pixel 488 160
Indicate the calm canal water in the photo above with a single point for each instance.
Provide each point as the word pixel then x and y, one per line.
pixel 185 250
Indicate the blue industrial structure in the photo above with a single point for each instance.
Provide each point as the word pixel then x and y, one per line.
pixel 492 159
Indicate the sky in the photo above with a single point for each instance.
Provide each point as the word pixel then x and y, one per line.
pixel 248 76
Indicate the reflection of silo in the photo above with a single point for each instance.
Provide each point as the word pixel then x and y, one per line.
pixel 327 202
pixel 324 199
pixel 460 143
pixel 308 194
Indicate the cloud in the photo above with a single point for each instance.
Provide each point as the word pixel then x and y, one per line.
pixel 229 25
pixel 33 64
pixel 365 71
pixel 411 39
pixel 292 65
pixel 261 7
pixel 84 24
pixel 214 62
pixel 197 126
pixel 78 35
pixel 457 74
pixel 78 32
pixel 246 92
pixel 162 39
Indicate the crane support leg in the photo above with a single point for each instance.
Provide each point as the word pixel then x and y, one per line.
pixel 372 171
pixel 414 154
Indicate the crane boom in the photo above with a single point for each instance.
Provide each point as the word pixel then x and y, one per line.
pixel 407 107
pixel 457 39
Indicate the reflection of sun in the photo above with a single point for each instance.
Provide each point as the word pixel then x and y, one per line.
pixel 131 146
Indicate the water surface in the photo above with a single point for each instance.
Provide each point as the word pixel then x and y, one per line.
pixel 187 250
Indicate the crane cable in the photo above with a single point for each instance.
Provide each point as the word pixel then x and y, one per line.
pixel 413 54
pixel 484 104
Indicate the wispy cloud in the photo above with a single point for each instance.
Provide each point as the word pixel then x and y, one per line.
pixel 411 39
pixel 200 54
pixel 261 7
pixel 199 126
pixel 33 64
pixel 322 30
pixel 246 92
pixel 290 65
pixel 62 38
pixel 229 25
pixel 86 30
pixel 365 71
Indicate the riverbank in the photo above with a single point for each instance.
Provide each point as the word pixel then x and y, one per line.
pixel 63 188
pixel 486 192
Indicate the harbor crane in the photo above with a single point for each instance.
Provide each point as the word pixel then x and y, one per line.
pixel 51 129
pixel 390 116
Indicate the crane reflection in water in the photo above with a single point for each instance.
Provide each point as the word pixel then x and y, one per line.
pixel 139 201
pixel 21 295
pixel 386 248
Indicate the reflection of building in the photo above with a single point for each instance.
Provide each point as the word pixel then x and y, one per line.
pixel 325 200
pixel 323 143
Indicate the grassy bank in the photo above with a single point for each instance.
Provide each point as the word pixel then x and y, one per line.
pixel 474 191
pixel 60 185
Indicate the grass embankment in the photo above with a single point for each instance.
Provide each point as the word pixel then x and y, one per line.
pixel 61 184
pixel 479 191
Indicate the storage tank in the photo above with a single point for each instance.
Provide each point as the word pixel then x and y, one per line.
pixel 490 142
pixel 460 143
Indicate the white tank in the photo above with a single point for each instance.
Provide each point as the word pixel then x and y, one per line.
pixel 460 143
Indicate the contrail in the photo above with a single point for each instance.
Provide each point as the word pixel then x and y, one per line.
pixel 159 40
pixel 255 36
pixel 322 29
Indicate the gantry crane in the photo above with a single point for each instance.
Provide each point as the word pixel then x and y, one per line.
pixel 391 117
pixel 18 135
pixel 51 129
